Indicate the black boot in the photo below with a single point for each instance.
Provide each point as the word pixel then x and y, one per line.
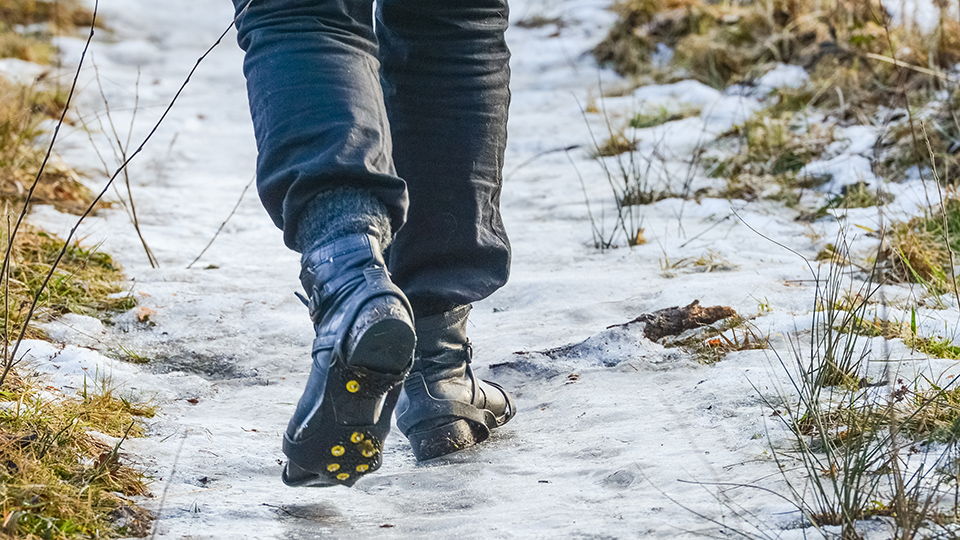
pixel 363 350
pixel 444 407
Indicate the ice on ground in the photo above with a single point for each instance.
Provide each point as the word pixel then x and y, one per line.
pixel 76 329
pixel 616 436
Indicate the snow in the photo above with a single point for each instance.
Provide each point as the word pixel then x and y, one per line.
pixel 20 71
pixel 923 13
pixel 783 76
pixel 616 436
pixel 692 93
pixel 853 140
pixel 842 170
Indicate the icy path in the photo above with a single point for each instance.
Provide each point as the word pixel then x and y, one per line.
pixel 600 441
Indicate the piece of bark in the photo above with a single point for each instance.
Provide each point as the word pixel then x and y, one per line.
pixel 675 320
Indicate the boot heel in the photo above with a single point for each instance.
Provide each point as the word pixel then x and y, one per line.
pixel 384 339
pixel 445 439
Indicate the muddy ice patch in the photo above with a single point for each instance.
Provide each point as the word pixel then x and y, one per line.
pixel 90 334
pixel 71 368
pixel 210 366
pixel 641 343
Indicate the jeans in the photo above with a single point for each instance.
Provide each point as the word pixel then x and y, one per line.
pixel 412 108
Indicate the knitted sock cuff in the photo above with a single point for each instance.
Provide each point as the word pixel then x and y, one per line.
pixel 341 212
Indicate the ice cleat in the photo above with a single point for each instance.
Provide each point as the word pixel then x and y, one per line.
pixel 443 407
pixel 363 350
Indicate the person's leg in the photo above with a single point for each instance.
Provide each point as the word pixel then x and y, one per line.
pixel 445 69
pixel 318 112
pixel 326 177
pixel 445 72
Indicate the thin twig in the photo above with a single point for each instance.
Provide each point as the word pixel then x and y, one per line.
pixel 538 156
pixel 7 360
pixel 919 69
pixel 943 212
pixel 120 153
pixel 143 143
pixel 765 237
pixel 163 497
pixel 53 139
pixel 597 233
pixel 224 224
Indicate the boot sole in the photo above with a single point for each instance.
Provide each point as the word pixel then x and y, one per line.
pixel 344 437
pixel 461 433
pixel 446 439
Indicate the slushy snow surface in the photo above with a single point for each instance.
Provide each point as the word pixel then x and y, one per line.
pixel 616 436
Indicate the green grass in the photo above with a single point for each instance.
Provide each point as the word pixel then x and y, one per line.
pixel 858 195
pixel 86 281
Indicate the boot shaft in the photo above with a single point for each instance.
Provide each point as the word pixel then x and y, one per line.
pixel 442 342
pixel 327 269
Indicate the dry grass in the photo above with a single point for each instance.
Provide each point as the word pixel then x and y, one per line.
pixel 26 27
pixel 917 251
pixel 846 46
pixel 616 144
pixel 62 15
pixel 58 477
pixel 22 111
pixel 60 480
pixel 932 133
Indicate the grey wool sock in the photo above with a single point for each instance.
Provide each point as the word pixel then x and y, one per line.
pixel 341 212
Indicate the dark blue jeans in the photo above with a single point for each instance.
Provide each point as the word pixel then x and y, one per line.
pixel 414 112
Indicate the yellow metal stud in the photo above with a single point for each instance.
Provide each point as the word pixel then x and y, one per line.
pixel 333 467
pixel 337 450
pixel 356 437
pixel 353 387
pixel 343 476
pixel 367 448
pixel 362 468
